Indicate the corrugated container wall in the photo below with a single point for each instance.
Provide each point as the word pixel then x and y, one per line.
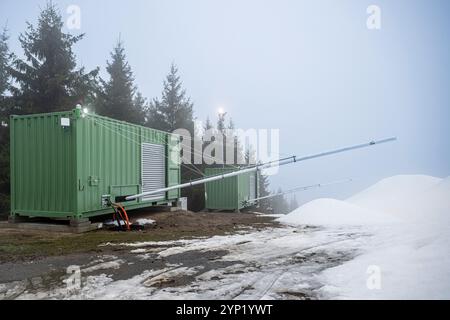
pixel 233 193
pixel 66 164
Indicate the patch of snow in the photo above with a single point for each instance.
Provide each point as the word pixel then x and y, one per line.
pixel 12 289
pixel 409 265
pixel 272 215
pixel 115 264
pixel 141 250
pixel 144 222
pixel 168 275
pixel 146 243
pixel 145 256
pixel 335 212
pixel 111 222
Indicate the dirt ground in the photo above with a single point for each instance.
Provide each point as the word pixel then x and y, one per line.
pixel 34 261
pixel 181 255
pixel 24 245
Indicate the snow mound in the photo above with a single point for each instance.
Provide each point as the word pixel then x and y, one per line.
pixel 397 195
pixel 435 202
pixel 335 212
pixel 401 198
pixel 405 184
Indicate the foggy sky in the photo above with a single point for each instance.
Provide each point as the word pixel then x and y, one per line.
pixel 310 68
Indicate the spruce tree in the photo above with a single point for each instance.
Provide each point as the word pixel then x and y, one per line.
pixel 208 127
pixel 279 203
pixel 230 125
pixel 265 205
pixel 231 141
pixel 119 98
pixel 174 110
pixel 140 105
pixel 5 110
pixel 48 78
pixel 208 124
pixel 221 122
pixel 293 203
pixel 5 63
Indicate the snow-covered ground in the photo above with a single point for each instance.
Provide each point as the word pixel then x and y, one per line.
pixel 391 241
pixel 275 263
pixel 407 255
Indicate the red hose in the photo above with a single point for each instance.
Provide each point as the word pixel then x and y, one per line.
pixel 124 216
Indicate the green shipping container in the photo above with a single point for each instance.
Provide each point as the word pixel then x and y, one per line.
pixel 67 164
pixel 233 193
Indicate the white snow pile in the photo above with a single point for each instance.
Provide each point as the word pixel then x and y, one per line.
pixel 399 199
pixel 144 222
pixel 407 256
pixel 335 212
pixel 410 197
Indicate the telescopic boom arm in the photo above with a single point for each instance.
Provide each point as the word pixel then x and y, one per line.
pixel 280 162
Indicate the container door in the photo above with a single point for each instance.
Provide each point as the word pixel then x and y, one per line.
pixel 153 170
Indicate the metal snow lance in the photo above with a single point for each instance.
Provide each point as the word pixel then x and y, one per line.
pixel 298 189
pixel 267 165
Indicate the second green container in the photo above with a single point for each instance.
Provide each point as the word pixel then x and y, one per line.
pixel 233 193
